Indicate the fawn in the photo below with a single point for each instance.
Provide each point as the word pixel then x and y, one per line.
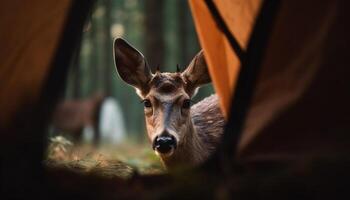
pixel 71 116
pixel 181 134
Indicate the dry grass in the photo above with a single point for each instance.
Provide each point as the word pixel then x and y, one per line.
pixel 108 161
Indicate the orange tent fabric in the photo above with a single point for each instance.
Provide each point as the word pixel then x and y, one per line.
pixel 300 104
pixel 30 35
pixel 223 63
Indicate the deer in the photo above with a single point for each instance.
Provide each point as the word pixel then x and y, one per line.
pixel 181 134
pixel 71 116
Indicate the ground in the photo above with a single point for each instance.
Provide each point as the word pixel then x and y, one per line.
pixel 108 160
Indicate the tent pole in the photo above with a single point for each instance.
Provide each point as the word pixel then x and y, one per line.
pixel 226 154
pixel 225 30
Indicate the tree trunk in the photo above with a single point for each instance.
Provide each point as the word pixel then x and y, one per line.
pixel 93 71
pixel 76 73
pixel 108 49
pixel 154 33
pixel 182 21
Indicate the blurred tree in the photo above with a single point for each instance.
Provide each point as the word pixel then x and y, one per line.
pixel 76 75
pixel 108 49
pixel 93 72
pixel 182 26
pixel 154 32
pixel 171 35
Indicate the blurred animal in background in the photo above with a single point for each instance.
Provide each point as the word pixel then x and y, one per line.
pixel 73 116
pixel 95 119
pixel 180 134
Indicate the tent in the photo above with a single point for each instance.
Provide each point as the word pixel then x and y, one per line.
pixel 279 67
pixel 297 105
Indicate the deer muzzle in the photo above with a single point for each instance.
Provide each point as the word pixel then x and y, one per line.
pixel 164 144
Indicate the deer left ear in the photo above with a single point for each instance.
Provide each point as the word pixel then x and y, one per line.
pixel 131 65
pixel 196 74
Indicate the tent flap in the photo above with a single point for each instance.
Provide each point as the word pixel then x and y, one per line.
pixel 223 62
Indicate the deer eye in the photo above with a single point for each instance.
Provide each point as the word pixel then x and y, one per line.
pixel 186 104
pixel 147 103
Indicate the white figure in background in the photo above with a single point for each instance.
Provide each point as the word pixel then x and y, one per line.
pixel 111 124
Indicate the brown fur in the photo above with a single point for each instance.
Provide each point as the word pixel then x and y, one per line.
pixel 197 130
pixel 203 134
pixel 202 128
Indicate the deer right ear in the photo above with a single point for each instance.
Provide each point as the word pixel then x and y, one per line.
pixel 131 65
pixel 196 74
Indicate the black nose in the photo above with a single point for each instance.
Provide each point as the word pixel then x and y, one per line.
pixel 164 144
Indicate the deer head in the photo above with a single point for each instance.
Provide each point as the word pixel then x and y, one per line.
pixel 166 96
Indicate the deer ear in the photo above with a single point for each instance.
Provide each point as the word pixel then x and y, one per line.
pixel 196 74
pixel 131 65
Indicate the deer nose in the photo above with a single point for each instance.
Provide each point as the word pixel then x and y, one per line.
pixel 164 143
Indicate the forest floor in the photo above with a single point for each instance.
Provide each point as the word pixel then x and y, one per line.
pixel 107 160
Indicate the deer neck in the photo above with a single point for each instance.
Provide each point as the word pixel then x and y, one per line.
pixel 189 152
